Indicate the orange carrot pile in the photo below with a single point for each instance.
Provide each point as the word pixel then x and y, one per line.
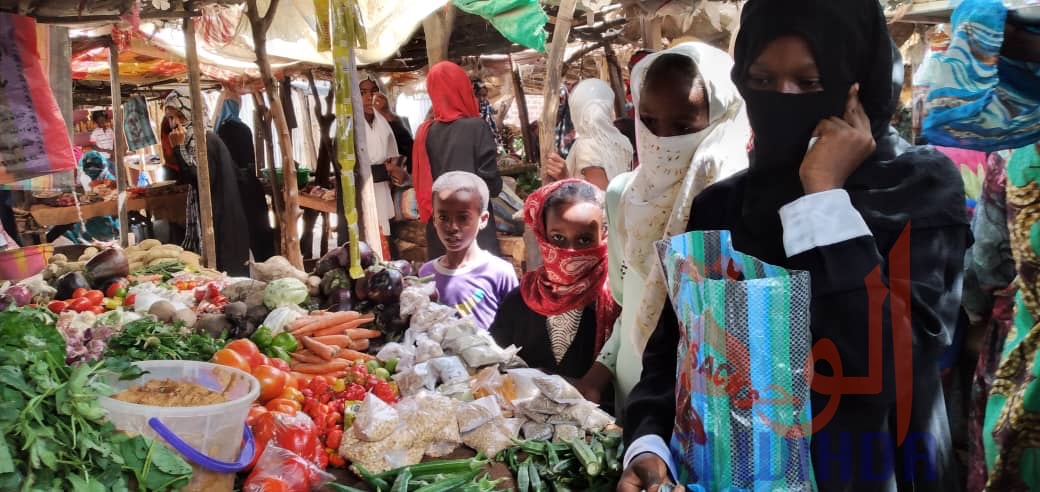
pixel 331 342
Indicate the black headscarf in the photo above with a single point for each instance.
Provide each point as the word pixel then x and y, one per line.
pixel 851 44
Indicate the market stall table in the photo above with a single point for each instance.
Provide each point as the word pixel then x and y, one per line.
pixel 169 206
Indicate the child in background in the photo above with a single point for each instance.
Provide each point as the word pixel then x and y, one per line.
pixel 563 312
pixel 472 280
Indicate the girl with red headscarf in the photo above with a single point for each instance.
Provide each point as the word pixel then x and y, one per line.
pixel 563 312
pixel 456 139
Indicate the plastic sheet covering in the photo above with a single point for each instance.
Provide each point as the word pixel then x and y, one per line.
pixel 520 21
pixel 34 140
pixel 742 390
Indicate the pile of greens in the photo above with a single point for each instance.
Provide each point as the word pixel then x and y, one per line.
pixel 55 434
pixel 148 339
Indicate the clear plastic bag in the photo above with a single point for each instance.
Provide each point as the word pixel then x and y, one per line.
pixel 426 349
pixel 589 416
pixel 405 355
pixel 431 416
pixel 558 389
pixel 415 298
pixel 486 355
pixel 534 431
pixel 376 420
pixel 441 449
pixel 430 315
pixel 490 382
pixel 567 433
pixel 523 380
pixel 490 438
pixel 449 370
pixel 478 413
pixel 420 376
pixel 460 331
pixel 401 448
pixel 295 472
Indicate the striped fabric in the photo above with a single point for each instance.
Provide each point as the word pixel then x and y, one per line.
pixel 744 325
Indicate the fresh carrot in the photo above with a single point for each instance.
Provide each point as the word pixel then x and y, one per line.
pixel 363 333
pixel 359 345
pixel 320 349
pixel 325 321
pixel 326 368
pixel 335 330
pixel 302 378
pixel 306 358
pixel 341 328
pixel 341 341
pixel 353 355
pixel 301 321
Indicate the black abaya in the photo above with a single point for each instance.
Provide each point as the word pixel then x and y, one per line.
pixel 239 141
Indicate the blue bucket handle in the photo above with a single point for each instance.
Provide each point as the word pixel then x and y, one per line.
pixel 195 456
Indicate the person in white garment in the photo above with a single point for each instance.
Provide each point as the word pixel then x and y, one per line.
pixel 382 153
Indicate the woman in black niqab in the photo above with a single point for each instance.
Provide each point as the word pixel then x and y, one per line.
pixel 841 233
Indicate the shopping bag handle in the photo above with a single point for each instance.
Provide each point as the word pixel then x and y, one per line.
pixel 197 457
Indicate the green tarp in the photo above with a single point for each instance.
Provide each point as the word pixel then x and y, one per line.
pixel 520 21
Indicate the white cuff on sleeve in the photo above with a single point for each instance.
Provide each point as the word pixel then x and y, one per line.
pixel 820 219
pixel 651 443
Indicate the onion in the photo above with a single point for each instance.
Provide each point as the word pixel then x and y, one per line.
pixel 20 294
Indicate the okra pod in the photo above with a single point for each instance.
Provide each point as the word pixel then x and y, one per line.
pixel 338 487
pixel 563 466
pixel 532 447
pixel 378 483
pixel 536 479
pixel 401 482
pixel 443 467
pixel 553 457
pixel 454 483
pixel 597 449
pixel 587 457
pixel 523 476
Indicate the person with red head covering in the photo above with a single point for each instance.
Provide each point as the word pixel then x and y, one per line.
pixel 456 139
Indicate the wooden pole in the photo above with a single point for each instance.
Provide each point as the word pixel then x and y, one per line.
pixel 198 122
pixel 651 32
pixel 547 125
pixel 290 229
pixel 617 82
pixel 276 194
pixel 118 143
pixel 437 30
pixel 530 151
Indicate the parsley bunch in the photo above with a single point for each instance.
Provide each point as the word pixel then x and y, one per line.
pixel 148 339
pixel 55 434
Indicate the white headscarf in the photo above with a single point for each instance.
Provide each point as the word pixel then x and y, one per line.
pixel 674 170
pixel 599 142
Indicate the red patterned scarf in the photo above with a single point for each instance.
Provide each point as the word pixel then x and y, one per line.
pixel 451 93
pixel 568 279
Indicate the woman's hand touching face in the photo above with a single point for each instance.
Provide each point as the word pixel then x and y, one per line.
pixel 841 147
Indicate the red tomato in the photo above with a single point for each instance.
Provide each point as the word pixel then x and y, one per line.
pixel 129 301
pixel 282 405
pixel 116 288
pixel 272 382
pixel 279 363
pixel 248 350
pixel 98 309
pixel 273 484
pixel 96 297
pixel 81 305
pixel 255 411
pixel 57 307
pixel 290 393
pixel 79 293
pixel 230 358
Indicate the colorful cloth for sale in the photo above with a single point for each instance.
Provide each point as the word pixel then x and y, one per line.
pixel 979 99
pixel 742 414
pixel 136 124
pixel 1013 410
pixel 972 165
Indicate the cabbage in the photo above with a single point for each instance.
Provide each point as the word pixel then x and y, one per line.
pixel 285 292
pixel 279 319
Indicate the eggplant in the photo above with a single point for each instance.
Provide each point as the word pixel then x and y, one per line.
pixel 385 286
pixel 68 283
pixel 390 322
pixel 107 265
pixel 361 287
pixel 367 256
pixel 340 300
pixel 403 266
pixel 334 259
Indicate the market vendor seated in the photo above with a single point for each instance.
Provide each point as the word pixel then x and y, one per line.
pixel 472 280
pixel 563 312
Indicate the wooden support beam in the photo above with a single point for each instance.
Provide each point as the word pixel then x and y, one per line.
pixel 268 150
pixel 437 29
pixel 91 19
pixel 547 125
pixel 651 32
pixel 209 242
pixel 119 144
pixel 530 149
pixel 290 231
pixel 617 81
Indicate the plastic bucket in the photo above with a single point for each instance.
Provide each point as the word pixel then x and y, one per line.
pixel 210 437
pixel 19 264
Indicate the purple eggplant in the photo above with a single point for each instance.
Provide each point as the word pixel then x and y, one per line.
pixel 68 283
pixel 403 266
pixel 107 265
pixel 385 286
pixel 340 300
pixel 336 258
pixel 366 255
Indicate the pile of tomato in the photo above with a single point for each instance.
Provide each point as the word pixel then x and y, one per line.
pixel 95 301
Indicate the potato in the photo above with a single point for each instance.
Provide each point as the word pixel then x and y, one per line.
pixel 59 258
pixel 163 311
pixel 134 266
pixel 159 261
pixel 148 244
pixel 189 258
pixel 135 256
pixel 161 253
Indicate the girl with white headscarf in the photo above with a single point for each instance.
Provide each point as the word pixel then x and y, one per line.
pixel 600 152
pixel 683 148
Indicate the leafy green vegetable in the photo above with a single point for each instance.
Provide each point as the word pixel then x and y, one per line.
pixel 165 268
pixel 148 339
pixel 55 433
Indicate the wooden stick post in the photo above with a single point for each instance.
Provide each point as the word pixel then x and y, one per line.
pixel 530 151
pixel 198 123
pixel 437 30
pixel 118 142
pixel 547 125
pixel 290 229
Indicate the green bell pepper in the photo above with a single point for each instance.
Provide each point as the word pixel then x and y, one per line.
pixel 286 342
pixel 280 353
pixel 263 338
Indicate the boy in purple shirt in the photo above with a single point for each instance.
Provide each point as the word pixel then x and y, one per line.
pixel 468 278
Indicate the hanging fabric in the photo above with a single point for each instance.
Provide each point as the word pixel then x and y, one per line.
pixel 137 126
